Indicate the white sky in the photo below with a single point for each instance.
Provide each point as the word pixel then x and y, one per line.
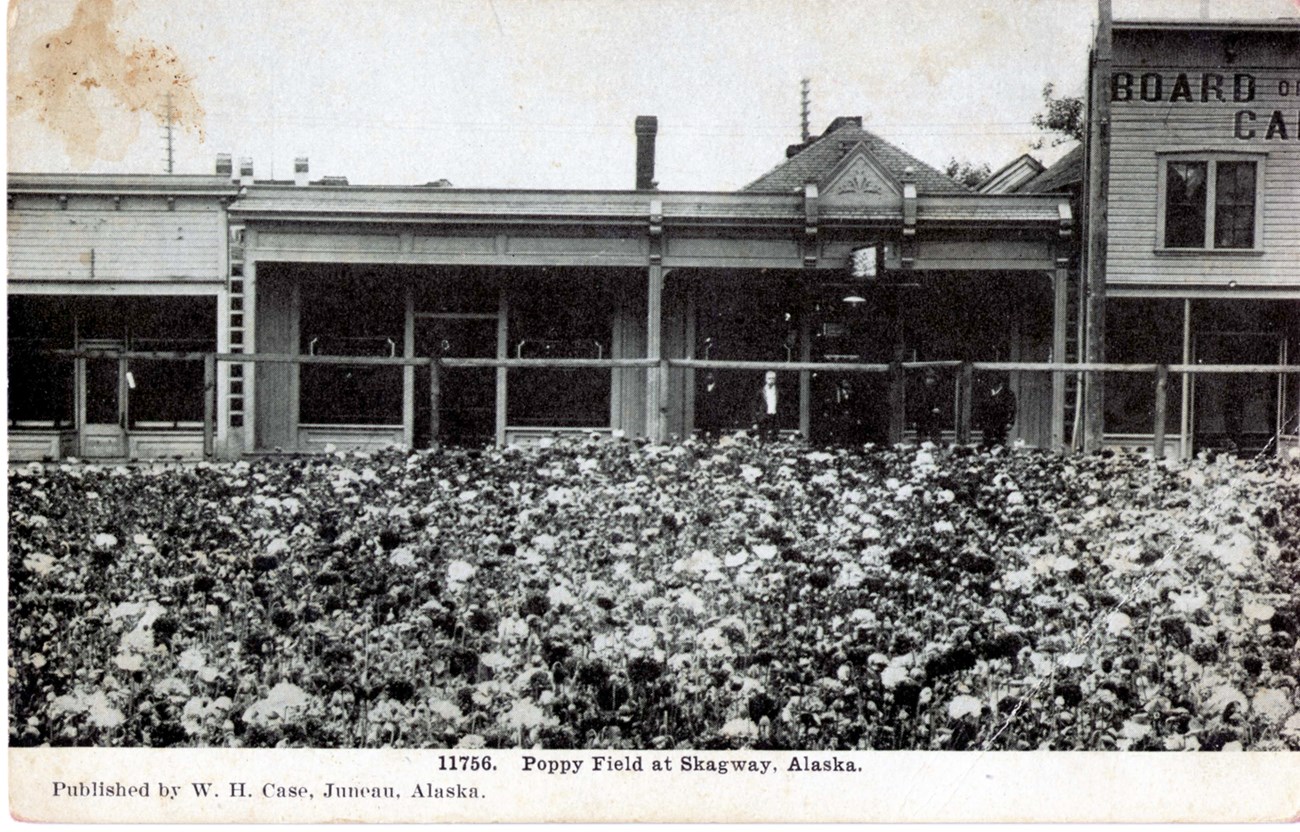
pixel 543 93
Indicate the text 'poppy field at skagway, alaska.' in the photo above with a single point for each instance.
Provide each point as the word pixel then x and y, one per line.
pixel 713 594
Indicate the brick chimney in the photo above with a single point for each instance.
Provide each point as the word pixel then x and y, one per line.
pixel 646 128
pixel 300 171
pixel 224 166
pixel 246 171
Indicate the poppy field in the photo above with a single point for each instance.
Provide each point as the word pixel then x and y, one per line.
pixel 709 595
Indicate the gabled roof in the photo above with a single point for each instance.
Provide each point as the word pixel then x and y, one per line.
pixel 814 161
pixel 1063 177
pixel 1008 178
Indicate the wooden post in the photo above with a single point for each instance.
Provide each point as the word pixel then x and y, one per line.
pixel 653 350
pixel 688 417
pixel 1162 408
pixel 897 411
pixel 1098 167
pixel 295 369
pixel 124 399
pixel 1060 314
pixel 503 377
pixel 250 342
pixel 965 390
pixel 209 403
pixel 435 400
pixel 79 402
pixel 1185 417
pixel 408 372
pixel 805 377
pixel 662 421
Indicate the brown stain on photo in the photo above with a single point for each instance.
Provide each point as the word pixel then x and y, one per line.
pixel 74 73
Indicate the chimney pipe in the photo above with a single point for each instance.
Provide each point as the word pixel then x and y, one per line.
pixel 646 128
pixel 224 166
pixel 300 171
pixel 245 171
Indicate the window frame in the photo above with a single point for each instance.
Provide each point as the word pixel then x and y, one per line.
pixel 1211 158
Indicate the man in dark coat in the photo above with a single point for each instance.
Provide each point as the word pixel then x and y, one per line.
pixel 928 410
pixel 994 411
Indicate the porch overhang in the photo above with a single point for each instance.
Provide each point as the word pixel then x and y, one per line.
pixel 401 225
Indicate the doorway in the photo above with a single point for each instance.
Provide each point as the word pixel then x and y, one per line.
pixel 104 385
pixel 467 395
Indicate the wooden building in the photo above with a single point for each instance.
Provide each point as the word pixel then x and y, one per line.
pixel 849 251
pixel 1202 251
pixel 114 263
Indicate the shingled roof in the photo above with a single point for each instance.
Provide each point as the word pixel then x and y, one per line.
pixel 813 160
pixel 1063 177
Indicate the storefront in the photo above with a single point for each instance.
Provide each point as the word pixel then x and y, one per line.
pixel 1203 254
pixel 766 274
pixel 101 266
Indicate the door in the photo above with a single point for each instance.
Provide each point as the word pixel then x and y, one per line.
pixel 1237 412
pixel 467 395
pixel 104 390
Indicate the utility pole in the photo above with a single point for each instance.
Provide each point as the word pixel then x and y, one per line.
pixel 1098 209
pixel 168 131
pixel 805 107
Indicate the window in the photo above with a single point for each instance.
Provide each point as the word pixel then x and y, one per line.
pixel 169 394
pixel 1234 205
pixel 1209 203
pixel 40 384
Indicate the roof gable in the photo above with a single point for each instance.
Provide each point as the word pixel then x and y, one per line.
pixel 817 159
pixel 1009 177
pixel 860 179
pixel 1066 176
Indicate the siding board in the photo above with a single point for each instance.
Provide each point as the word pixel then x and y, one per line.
pixel 139 245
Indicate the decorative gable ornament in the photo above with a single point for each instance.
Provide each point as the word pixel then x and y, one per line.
pixel 860 180
pixel 859 183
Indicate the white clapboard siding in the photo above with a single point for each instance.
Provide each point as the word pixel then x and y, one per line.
pixel 1141 130
pixel 136 245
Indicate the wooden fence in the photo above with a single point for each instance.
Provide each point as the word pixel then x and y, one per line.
pixel 965 371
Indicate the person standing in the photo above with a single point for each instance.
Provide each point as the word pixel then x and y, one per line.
pixel 928 412
pixel 994 412
pixel 766 424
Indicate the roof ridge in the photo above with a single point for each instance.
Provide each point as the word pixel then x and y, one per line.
pixel 928 177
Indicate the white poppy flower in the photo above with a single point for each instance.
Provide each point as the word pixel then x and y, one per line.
pixel 1117 622
pixel 963 705
pixel 1272 704
pixel 1257 611
pixel 740 728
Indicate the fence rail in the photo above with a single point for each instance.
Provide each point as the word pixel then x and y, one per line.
pixel 965 371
